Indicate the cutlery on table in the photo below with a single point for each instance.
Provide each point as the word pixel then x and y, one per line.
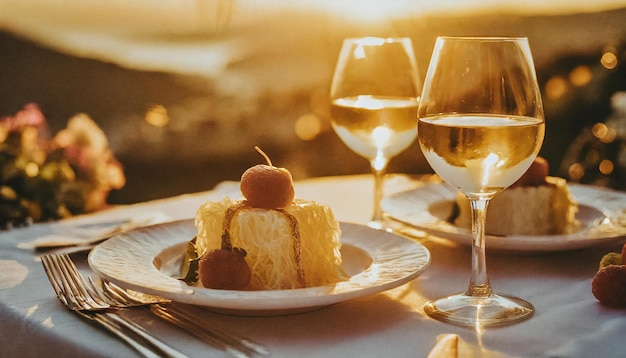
pixel 73 292
pixel 94 301
pixel 184 317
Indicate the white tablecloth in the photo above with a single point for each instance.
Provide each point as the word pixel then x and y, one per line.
pixel 568 322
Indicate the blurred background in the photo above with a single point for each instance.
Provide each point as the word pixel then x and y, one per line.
pixel 184 89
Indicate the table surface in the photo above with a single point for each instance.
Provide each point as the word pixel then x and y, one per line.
pixel 568 322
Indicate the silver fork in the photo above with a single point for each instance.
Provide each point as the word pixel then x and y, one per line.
pixel 184 317
pixel 107 296
pixel 74 293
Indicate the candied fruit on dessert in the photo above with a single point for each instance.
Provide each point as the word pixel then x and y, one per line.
pixel 266 241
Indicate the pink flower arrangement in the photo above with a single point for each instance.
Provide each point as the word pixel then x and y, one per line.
pixel 43 178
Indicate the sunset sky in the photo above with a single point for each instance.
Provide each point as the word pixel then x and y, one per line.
pixel 204 37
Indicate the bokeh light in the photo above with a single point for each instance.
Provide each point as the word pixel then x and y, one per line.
pixel 580 76
pixel 609 59
pixel 308 127
pixel 31 169
pixel 157 116
pixel 576 171
pixel 555 88
pixel 604 133
pixel 606 167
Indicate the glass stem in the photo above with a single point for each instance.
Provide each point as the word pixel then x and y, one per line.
pixel 379 168
pixel 479 282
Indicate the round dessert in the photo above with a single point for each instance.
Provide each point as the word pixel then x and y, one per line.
pixel 537 204
pixel 268 240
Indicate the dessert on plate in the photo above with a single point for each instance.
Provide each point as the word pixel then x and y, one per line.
pixel 266 241
pixel 537 204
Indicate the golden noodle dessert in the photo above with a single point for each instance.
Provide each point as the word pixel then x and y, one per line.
pixel 536 205
pixel 296 246
pixel 267 241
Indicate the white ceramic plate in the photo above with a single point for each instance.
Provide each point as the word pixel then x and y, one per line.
pixel 602 217
pixel 148 260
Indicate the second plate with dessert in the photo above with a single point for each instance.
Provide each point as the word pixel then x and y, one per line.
pixel 601 219
pixel 149 260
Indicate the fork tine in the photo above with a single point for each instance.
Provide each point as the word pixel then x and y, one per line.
pixel 120 297
pixel 228 341
pixel 126 298
pixel 76 283
pixel 52 273
pixel 80 294
pixel 73 291
pixel 62 286
pixel 98 289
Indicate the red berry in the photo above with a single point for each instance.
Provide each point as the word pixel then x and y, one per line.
pixel 609 285
pixel 224 269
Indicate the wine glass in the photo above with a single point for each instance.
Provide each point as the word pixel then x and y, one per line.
pixel 480 126
pixel 374 98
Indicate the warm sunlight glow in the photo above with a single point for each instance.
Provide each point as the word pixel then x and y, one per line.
pixel 206 37
pixel 488 164
pixel 376 10
pixel 381 136
pixel 359 53
pixel 368 102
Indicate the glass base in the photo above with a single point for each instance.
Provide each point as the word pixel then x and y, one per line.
pixel 377 224
pixel 491 311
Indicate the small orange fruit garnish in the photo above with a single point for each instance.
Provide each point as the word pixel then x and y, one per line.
pixel 266 186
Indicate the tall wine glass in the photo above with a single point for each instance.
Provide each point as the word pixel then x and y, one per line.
pixel 374 98
pixel 480 125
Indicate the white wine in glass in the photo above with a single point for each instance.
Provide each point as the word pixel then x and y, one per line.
pixel 480 126
pixel 374 100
